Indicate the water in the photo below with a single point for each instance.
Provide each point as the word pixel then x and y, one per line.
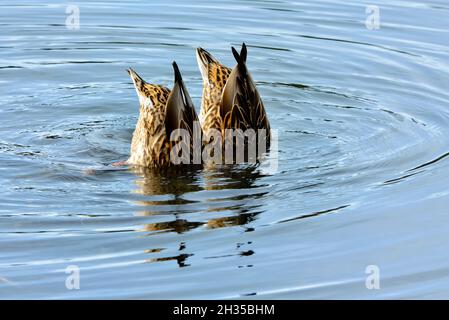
pixel 363 120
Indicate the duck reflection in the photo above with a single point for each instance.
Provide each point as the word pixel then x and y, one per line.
pixel 180 258
pixel 167 190
pixel 234 177
pixel 172 182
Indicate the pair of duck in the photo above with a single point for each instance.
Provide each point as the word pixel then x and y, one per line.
pixel 230 101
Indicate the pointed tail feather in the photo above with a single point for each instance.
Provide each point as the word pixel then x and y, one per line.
pixel 244 52
pixel 137 80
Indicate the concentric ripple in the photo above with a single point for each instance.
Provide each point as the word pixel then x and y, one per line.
pixel 362 120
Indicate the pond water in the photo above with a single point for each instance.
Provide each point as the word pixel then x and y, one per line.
pixel 362 183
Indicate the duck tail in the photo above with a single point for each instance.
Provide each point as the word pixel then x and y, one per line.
pixel 178 76
pixel 241 61
pixel 137 80
pixel 244 52
pixel 205 59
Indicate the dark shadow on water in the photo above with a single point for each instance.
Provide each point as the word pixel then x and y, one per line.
pixel 180 258
pixel 442 157
pixel 314 214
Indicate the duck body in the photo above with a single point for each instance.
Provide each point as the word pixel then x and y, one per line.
pixel 149 146
pixel 230 98
pixel 161 112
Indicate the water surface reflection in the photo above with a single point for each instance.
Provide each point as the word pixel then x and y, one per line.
pixel 166 198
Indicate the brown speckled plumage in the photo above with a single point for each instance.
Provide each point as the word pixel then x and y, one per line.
pixel 161 112
pixel 215 75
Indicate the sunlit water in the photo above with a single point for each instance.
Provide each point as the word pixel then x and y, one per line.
pixel 363 178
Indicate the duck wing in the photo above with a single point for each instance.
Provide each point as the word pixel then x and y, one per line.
pixel 180 112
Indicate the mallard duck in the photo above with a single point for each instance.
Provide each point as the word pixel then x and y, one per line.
pixel 161 112
pixel 230 97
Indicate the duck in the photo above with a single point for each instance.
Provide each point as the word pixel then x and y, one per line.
pixel 230 98
pixel 162 111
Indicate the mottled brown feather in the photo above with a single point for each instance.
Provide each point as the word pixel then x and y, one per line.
pixel 215 76
pixel 161 112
